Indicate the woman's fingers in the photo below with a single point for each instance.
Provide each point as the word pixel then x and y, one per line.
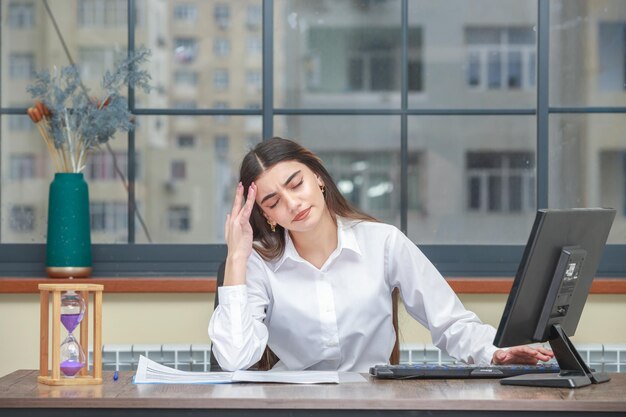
pixel 247 208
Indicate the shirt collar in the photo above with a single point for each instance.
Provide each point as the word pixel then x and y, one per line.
pixel 346 239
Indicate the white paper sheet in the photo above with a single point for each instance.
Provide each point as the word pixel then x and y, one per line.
pixel 150 372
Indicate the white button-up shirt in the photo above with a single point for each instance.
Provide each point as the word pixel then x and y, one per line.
pixel 339 317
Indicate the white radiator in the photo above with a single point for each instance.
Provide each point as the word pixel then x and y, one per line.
pixel 189 357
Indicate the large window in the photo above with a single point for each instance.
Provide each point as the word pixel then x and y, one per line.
pixel 427 114
pixel 21 15
pixel 500 58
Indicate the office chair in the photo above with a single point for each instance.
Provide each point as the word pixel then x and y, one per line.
pixel 269 359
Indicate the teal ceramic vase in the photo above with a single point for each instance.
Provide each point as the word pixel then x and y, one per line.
pixel 68 245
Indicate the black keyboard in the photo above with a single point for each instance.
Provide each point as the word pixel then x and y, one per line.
pixel 426 371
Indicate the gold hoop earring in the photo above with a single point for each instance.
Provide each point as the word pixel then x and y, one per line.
pixel 272 226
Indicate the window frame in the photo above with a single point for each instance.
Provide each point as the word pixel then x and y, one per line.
pixel 133 259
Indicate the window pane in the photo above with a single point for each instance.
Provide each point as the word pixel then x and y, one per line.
pixel 472 170
pixel 322 61
pixel 586 168
pixel 362 153
pixel 471 51
pixel 202 53
pixel 26 176
pixel 593 75
pixel 189 174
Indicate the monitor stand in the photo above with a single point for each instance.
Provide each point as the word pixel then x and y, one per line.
pixel 574 371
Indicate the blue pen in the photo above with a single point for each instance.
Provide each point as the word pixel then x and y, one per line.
pixel 115 375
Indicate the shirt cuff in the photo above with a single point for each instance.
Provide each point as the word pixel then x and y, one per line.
pixel 233 294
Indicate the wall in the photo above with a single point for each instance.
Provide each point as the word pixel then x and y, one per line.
pixel 183 318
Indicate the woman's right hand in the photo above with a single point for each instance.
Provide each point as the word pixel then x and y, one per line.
pixel 238 234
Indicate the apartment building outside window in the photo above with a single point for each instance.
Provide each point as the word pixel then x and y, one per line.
pixel 220 79
pixel 22 166
pixel 222 15
pixel 186 12
pixel 108 216
pixel 185 77
pixel 500 181
pixel 254 81
pixel 22 218
pixel 101 166
pixel 178 170
pixel 21 66
pixel 179 218
pixel 186 141
pixel 185 50
pixel 254 46
pixel 102 13
pixel 611 53
pixel 221 47
pixel 500 58
pixel 253 16
pixel 21 15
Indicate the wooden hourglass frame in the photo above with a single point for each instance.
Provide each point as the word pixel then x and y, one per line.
pixel 83 377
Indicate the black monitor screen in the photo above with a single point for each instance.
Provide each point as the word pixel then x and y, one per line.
pixel 552 284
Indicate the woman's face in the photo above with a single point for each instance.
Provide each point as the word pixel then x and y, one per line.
pixel 289 194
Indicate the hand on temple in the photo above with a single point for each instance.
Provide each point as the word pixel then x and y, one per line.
pixel 521 355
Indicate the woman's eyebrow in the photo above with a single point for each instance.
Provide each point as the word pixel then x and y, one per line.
pixel 270 195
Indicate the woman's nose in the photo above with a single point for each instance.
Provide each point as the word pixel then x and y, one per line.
pixel 293 203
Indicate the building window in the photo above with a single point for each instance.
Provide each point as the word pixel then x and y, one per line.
pixel 500 58
pixel 186 12
pixel 254 46
pixel 22 218
pixel 178 170
pixel 93 60
pixel 108 216
pixel 185 50
pixel 220 79
pixel 221 146
pixel 253 16
pixel 186 141
pixel 179 218
pixel 222 15
pixel 21 66
pixel 371 60
pixel 102 13
pixel 500 181
pixel 22 166
pixel 101 167
pixel 611 52
pixel 21 15
pixel 367 180
pixel 184 77
pixel 221 47
pixel 254 81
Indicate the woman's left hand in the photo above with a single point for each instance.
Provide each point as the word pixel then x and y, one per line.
pixel 522 355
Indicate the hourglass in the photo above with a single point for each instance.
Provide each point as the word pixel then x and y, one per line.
pixel 70 306
pixel 72 312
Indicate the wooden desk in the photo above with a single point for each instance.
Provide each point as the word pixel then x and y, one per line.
pixel 20 395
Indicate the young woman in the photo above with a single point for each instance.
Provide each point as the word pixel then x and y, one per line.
pixel 311 277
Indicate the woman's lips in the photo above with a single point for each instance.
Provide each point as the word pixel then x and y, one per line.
pixel 302 215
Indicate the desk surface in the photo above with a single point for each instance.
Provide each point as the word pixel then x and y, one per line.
pixel 20 392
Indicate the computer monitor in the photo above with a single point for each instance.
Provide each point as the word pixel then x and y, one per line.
pixel 550 290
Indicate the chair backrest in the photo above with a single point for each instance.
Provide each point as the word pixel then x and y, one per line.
pixel 269 359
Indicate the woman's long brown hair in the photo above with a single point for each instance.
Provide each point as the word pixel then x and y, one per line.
pixel 271 245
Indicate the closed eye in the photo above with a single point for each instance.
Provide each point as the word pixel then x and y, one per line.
pixel 275 204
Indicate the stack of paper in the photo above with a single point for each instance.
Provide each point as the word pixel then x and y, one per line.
pixel 150 372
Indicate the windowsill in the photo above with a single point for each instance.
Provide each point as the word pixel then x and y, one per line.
pixel 473 285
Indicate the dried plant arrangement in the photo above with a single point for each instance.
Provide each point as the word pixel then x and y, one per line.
pixel 71 121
